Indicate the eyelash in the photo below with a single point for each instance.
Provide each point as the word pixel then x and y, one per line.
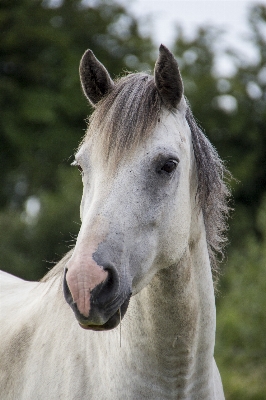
pixel 169 166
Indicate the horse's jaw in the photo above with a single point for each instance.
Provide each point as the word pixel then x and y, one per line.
pixel 178 321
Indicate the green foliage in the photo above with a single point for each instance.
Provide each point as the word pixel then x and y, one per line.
pixel 43 112
pixel 42 122
pixel 237 132
pixel 241 320
pixel 237 128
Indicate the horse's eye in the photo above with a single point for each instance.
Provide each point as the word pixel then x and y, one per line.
pixel 169 166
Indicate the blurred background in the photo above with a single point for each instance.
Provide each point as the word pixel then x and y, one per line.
pixel 42 121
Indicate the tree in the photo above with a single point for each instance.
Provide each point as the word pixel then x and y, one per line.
pixel 233 114
pixel 43 112
pixel 232 110
pixel 42 121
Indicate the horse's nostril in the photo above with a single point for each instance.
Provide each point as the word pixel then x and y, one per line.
pixel 109 283
pixel 100 304
pixel 66 291
pixel 102 293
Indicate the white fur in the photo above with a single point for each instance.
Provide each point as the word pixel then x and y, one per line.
pixel 168 332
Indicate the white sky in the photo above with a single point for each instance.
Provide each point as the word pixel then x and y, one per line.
pixel 230 15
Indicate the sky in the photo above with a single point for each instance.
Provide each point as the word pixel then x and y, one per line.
pixel 230 15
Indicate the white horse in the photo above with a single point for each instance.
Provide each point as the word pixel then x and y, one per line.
pixel 139 279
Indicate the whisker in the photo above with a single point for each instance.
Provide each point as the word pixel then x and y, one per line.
pixel 120 331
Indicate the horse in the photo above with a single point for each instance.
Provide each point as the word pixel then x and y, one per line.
pixel 129 312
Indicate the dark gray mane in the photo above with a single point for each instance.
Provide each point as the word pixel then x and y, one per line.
pixel 213 192
pixel 127 116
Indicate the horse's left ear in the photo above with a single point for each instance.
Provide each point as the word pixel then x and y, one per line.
pixel 95 79
pixel 168 79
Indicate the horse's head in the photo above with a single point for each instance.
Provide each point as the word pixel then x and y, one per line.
pixel 137 166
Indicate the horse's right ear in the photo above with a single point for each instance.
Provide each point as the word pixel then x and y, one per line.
pixel 95 79
pixel 168 79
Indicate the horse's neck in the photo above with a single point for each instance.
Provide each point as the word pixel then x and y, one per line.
pixel 176 325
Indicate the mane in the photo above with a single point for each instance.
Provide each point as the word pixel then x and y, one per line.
pixel 213 193
pixel 125 118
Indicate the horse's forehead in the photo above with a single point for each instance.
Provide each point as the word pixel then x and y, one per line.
pixel 172 129
pixel 172 132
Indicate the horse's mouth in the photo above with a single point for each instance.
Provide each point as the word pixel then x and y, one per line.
pixel 112 322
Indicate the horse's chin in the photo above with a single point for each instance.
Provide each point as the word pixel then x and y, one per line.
pixel 112 322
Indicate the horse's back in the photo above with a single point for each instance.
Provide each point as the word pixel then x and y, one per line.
pixel 14 292
pixel 6 278
pixel 7 281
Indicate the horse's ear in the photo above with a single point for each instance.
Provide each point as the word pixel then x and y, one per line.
pixel 168 79
pixel 95 79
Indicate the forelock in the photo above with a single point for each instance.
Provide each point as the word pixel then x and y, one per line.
pixel 126 116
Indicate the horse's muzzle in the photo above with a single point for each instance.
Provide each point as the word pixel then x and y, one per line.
pixel 108 303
